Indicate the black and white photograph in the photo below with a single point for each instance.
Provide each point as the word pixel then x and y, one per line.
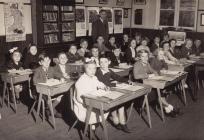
pixel 101 69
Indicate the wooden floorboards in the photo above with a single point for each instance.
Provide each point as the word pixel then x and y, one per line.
pixel 190 126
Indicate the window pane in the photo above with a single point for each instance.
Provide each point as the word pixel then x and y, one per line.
pixel 186 18
pixel 167 4
pixel 166 18
pixel 188 4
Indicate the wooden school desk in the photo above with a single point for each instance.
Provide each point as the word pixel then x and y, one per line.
pixel 50 91
pixel 166 81
pixel 13 79
pixel 199 66
pixel 102 104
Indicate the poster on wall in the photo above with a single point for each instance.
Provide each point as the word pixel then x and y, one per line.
pixel 92 16
pixel 14 21
pixel 118 20
pixel 80 21
pixel 109 13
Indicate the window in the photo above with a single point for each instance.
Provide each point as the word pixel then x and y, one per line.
pixel 177 13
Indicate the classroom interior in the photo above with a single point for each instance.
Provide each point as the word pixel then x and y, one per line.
pixel 53 26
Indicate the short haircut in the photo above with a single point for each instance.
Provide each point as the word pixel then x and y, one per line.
pixel 42 56
pixel 94 47
pixel 165 42
pixel 104 56
pixel 61 53
pixel 102 10
pixel 99 36
pixel 83 40
pixel 140 52
pixel 172 40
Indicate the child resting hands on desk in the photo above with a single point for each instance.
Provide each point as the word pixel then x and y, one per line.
pixel 105 75
pixel 44 73
pixel 13 65
pixel 87 84
pixel 143 70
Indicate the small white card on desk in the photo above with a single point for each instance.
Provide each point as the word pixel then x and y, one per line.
pixel 129 87
pixel 171 72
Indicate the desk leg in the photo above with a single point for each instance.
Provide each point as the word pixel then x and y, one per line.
pixel 195 94
pixel 52 112
pixel 160 103
pixel 104 123
pixel 88 115
pixel 148 112
pixel 39 103
pixel 130 112
pixel 4 93
pixel 183 90
pixel 14 97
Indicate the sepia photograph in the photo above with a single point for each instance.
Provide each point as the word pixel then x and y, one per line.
pixel 101 69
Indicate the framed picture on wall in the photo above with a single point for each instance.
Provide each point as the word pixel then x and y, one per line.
pixel 79 1
pixel 125 13
pixel 202 19
pixel 103 1
pixel 120 2
pixel 139 2
pixel 138 16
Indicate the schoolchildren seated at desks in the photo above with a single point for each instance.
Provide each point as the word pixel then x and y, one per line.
pixel 44 73
pixel 88 84
pixel 100 44
pixel 83 51
pixel 197 48
pixel 31 57
pixel 116 57
pixel 143 70
pixel 112 43
pixel 156 44
pixel 143 45
pixel 138 38
pixel 72 54
pixel 94 55
pixel 105 75
pixel 130 53
pixel 125 42
pixel 168 57
pixel 13 65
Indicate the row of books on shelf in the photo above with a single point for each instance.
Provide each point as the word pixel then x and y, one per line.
pixel 50 27
pixel 53 38
pixel 50 8
pixel 49 16
pixel 68 16
pixel 68 26
pixel 56 8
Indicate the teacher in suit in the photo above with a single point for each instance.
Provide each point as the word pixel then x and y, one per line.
pixel 100 26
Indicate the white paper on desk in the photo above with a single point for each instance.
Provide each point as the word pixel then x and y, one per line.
pixel 156 77
pixel 129 87
pixel 116 70
pixel 20 72
pixel 108 94
pixel 170 72
pixel 163 78
pixel 190 61
pixel 52 82
pixel 124 66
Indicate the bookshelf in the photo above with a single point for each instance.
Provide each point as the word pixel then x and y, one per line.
pixel 56 23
